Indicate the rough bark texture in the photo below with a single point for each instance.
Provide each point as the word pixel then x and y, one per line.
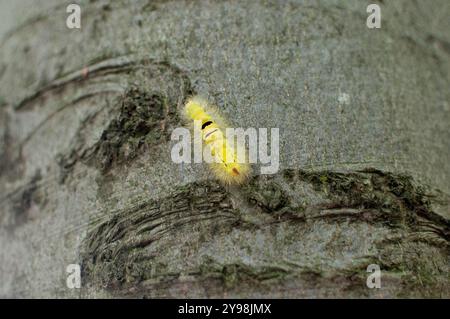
pixel 86 175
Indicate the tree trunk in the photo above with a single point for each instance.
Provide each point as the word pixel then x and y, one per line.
pixel 86 174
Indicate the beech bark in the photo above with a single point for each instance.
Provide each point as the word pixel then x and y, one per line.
pixel 86 176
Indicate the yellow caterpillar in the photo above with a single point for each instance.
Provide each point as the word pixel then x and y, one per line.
pixel 226 167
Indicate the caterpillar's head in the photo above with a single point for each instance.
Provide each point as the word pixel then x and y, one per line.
pixel 195 109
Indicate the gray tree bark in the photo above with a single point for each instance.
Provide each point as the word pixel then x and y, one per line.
pixel 86 176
